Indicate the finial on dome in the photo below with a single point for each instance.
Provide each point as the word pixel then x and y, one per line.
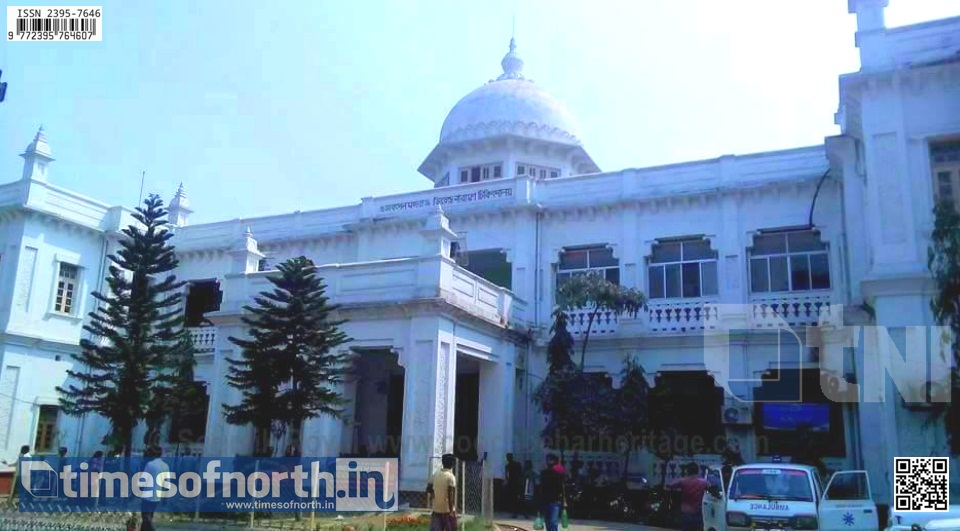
pixel 511 63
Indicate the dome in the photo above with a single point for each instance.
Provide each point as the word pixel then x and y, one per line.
pixel 510 104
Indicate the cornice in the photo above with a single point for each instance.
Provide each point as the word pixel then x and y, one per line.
pixel 12 337
pixel 433 306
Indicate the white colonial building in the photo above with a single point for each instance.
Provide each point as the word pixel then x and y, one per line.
pixel 448 291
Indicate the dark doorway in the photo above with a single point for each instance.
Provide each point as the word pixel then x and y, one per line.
pixel 688 404
pixel 467 417
pixel 377 421
pixel 489 265
pixel 202 296
pixel 395 414
pixel 189 424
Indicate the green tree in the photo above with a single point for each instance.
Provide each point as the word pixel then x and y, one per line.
pixel 576 405
pixel 597 294
pixel 943 260
pixel 663 430
pixel 136 330
pixel 289 370
pixel 631 406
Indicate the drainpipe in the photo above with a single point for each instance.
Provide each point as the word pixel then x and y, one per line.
pixel 536 325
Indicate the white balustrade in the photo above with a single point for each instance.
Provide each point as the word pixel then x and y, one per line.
pixel 681 316
pixel 204 338
pixel 605 323
pixel 794 309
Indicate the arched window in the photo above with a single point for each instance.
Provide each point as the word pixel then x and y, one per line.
pixel 682 269
pixel 584 260
pixel 789 260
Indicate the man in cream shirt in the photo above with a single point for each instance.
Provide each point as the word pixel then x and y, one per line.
pixel 155 467
pixel 443 490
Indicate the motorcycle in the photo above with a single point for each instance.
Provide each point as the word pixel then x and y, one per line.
pixel 662 507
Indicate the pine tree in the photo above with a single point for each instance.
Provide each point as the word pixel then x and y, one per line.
pixel 943 259
pixel 558 396
pixel 289 370
pixel 631 406
pixel 136 331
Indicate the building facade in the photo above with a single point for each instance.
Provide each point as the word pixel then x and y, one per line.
pixel 448 292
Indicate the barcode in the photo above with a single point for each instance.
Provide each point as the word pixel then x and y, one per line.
pixel 56 25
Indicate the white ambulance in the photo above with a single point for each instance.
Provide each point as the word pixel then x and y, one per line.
pixel 778 496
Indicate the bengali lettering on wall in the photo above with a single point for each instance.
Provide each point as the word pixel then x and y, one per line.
pixel 484 194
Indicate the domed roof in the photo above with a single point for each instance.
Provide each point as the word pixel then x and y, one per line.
pixel 510 104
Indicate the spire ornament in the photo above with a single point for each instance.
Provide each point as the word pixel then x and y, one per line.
pixel 511 63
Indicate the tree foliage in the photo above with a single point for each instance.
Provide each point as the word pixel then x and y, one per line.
pixel 597 294
pixel 630 409
pixel 289 369
pixel 137 334
pixel 579 406
pixel 943 260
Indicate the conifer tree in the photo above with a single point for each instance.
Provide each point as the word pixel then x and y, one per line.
pixel 136 330
pixel 943 259
pixel 289 369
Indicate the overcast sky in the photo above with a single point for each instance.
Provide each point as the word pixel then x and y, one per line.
pixel 270 107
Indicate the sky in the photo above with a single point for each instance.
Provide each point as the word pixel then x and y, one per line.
pixel 263 108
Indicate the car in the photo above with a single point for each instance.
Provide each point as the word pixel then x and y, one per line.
pixel 900 520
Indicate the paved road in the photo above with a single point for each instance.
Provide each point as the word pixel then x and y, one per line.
pixel 578 525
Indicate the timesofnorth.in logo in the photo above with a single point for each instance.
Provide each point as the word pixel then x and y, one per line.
pixel 211 484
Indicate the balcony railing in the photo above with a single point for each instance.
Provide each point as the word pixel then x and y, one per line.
pixel 605 323
pixel 397 281
pixel 796 309
pixel 204 338
pixel 681 316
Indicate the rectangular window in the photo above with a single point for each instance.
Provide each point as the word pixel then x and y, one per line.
pixel 66 288
pixel 537 171
pixel 590 260
pixel 46 430
pixel 685 269
pixel 485 172
pixel 945 160
pixel 789 261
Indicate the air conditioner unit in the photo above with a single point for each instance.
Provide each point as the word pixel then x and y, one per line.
pixel 737 412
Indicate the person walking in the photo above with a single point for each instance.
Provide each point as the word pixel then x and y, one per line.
pixel 24 454
pixel 514 477
pixel 691 487
pixel 551 493
pixel 154 468
pixel 443 489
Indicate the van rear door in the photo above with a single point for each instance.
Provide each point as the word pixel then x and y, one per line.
pixel 847 503
pixel 715 507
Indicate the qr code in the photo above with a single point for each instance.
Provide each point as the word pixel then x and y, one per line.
pixel 921 484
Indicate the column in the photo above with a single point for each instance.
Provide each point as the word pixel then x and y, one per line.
pixel 497 385
pixel 430 369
